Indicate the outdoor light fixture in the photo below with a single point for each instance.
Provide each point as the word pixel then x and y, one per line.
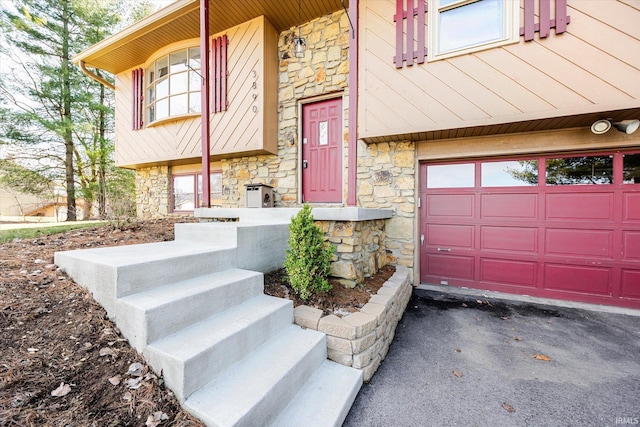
pixel 601 126
pixel 626 126
pixel 299 43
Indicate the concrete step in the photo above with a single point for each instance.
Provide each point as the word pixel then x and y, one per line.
pixel 191 357
pixel 150 315
pixel 325 399
pixel 261 247
pixel 257 388
pixel 114 272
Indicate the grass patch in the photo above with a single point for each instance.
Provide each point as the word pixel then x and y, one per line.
pixel 35 232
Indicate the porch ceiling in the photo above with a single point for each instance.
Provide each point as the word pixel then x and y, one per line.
pixel 181 21
pixel 550 123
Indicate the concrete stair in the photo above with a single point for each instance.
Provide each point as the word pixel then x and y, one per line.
pixel 195 308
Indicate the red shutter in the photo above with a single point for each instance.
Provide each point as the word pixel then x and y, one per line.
pixel 546 23
pixel 219 71
pixel 415 29
pixel 137 98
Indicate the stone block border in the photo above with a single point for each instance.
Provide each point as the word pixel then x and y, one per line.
pixel 362 339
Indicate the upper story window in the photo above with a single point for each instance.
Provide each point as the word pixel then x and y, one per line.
pixel 463 26
pixel 173 88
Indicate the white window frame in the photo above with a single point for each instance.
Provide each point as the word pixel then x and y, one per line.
pixel 152 80
pixel 510 30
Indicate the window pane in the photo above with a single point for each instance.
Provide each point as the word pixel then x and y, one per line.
pixel 178 61
pixel 162 68
pixel 194 58
pixel 162 88
pixel 195 81
pixel 162 109
pixel 470 25
pixel 195 102
pixel 178 83
pixel 152 114
pixel 150 76
pixel 631 169
pixel 451 176
pixel 179 104
pixel 580 170
pixel 183 197
pixel 151 94
pixel 510 174
pixel 216 185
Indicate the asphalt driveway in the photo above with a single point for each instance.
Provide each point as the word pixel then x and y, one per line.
pixel 474 361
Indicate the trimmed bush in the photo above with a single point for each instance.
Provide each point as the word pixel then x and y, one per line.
pixel 308 257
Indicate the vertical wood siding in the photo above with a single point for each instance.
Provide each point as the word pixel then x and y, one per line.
pixel 590 67
pixel 241 126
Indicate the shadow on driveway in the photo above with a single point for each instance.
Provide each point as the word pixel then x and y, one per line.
pixel 461 361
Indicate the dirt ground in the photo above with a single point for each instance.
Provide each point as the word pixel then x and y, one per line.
pixel 63 363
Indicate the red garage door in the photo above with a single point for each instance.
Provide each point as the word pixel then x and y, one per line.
pixel 556 226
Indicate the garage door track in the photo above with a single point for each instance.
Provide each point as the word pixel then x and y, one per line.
pixel 476 361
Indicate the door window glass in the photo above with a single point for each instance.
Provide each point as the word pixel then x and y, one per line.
pixel 451 176
pixel 183 189
pixel 631 169
pixel 580 170
pixel 512 173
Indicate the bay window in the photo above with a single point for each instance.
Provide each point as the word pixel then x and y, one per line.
pixel 173 85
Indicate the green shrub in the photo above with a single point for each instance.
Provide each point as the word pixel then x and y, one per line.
pixel 308 257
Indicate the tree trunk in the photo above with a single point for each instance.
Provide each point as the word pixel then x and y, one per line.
pixel 102 171
pixel 66 116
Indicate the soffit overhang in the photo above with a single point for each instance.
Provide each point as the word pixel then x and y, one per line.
pixel 181 21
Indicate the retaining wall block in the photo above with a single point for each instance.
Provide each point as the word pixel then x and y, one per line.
pixel 337 327
pixel 340 357
pixel 364 323
pixel 340 344
pixel 307 317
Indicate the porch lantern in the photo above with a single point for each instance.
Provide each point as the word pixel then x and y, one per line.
pixel 299 43
pixel 299 47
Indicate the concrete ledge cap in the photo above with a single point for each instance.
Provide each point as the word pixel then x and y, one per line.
pixel 350 214
pixel 306 316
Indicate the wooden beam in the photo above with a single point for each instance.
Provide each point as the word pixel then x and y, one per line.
pixel 204 95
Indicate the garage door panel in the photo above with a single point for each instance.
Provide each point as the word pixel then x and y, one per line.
pixel 583 243
pixel 450 205
pixel 572 231
pixel 576 278
pixel 512 206
pixel 509 239
pixel 459 236
pixel 508 272
pixel 630 283
pixel 579 206
pixel 631 207
pixel 450 266
pixel 631 245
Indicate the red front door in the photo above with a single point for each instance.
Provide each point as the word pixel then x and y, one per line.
pixel 322 151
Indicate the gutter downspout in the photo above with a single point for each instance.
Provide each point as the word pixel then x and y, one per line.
pixel 352 161
pixel 96 77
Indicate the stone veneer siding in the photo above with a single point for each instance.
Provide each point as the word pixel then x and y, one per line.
pixel 387 180
pixel 362 339
pixel 323 70
pixel 153 191
pixel 360 250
